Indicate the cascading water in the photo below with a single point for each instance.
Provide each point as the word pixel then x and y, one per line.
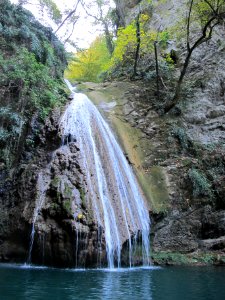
pixel 42 185
pixel 114 196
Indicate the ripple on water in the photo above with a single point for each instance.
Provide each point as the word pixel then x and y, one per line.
pixel 23 282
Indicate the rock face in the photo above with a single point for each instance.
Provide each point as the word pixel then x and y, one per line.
pixel 123 10
pixel 62 220
pixel 26 141
pixel 65 233
pixel 189 146
pixel 187 215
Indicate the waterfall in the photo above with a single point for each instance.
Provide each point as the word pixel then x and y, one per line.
pixel 114 195
pixel 42 185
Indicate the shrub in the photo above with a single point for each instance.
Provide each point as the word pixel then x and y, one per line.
pixel 18 24
pixel 11 125
pixel 32 63
pixel 200 183
pixel 181 135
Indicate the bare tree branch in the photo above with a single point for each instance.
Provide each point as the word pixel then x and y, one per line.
pixel 188 25
pixel 206 35
pixel 101 19
pixel 68 16
pixel 67 39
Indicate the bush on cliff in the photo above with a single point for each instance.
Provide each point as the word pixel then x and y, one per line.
pixel 32 63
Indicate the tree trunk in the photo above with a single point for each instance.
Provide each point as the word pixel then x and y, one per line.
pixel 175 100
pixel 109 42
pixel 157 69
pixel 138 37
pixel 67 17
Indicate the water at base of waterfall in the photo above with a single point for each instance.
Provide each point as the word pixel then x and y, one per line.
pixel 172 283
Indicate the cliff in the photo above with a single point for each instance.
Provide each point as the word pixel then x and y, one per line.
pixel 188 142
pixel 32 62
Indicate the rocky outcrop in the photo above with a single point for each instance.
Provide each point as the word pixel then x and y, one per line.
pixel 65 233
pixel 187 207
pixel 203 91
pixel 123 9
pixel 29 54
pixel 192 221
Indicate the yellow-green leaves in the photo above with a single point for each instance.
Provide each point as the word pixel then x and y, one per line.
pixel 52 9
pixel 126 42
pixel 87 65
pixel 125 46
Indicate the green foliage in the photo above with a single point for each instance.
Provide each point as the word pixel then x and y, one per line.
pixel 10 125
pixel 203 10
pixel 125 46
pixel 47 5
pixel 200 183
pixel 176 258
pixel 181 135
pixel 200 15
pixel 18 27
pixel 32 63
pixel 91 64
pixel 39 91
pixel 171 258
pixel 166 68
pixel 67 193
pixel 67 206
pixel 88 65
pixel 82 196
pixel 52 9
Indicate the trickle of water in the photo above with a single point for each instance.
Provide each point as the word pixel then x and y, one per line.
pixel 114 194
pixel 41 187
pixel 99 258
pixel 70 87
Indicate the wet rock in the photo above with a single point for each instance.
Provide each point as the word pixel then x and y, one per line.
pixel 216 112
pixel 213 244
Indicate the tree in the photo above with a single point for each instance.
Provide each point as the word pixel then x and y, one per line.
pixel 49 5
pixel 210 13
pixel 89 64
pixel 138 39
pixel 68 16
pixel 101 17
pixel 60 18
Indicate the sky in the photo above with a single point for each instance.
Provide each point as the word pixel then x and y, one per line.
pixel 85 31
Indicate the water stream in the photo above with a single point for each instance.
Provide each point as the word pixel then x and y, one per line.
pixel 114 195
pixel 41 187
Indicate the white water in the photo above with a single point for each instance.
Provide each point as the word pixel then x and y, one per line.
pixel 114 194
pixel 41 187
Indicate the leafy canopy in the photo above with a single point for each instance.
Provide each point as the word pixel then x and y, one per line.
pixel 87 65
pixel 126 43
